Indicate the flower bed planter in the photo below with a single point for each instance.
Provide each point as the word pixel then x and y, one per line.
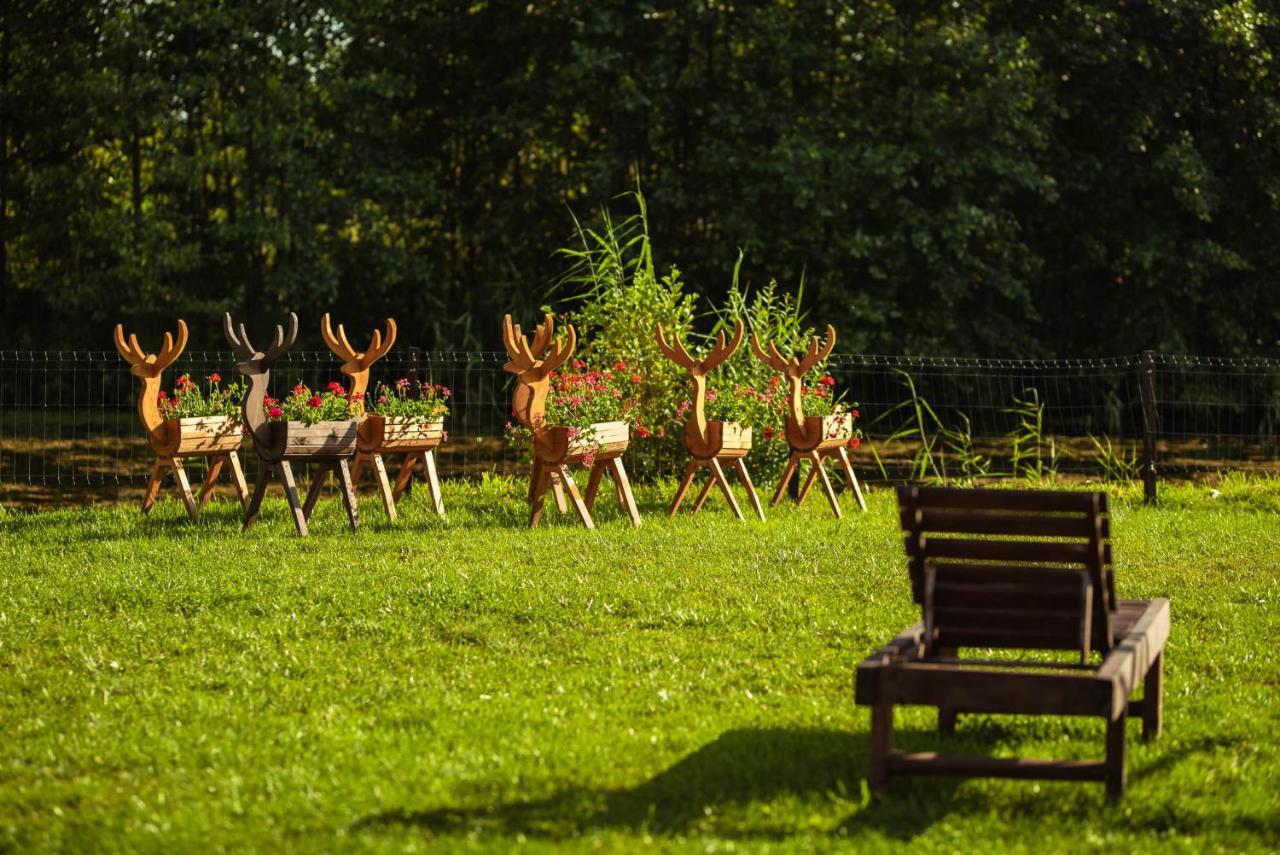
pixel 604 441
pixel 832 432
pixel 382 434
pixel 301 441
pixel 202 435
pixel 216 437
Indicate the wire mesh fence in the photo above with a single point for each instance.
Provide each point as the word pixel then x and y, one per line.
pixel 68 419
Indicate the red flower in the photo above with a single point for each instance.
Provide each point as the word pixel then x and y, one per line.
pixel 357 397
pixel 336 388
pixel 299 389
pixel 402 383
pixel 163 396
pixel 275 412
pixel 662 431
pixel 643 432
pixel 828 381
pixel 855 414
pixel 855 442
pixel 768 433
pixel 444 436
pixel 215 377
pixel 315 401
pixel 619 366
pixel 578 365
pixel 636 378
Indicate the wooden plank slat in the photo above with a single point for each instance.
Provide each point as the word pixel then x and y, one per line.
pixel 929 763
pixel 1008 500
pixel 982 689
pixel 929 519
pixel 1055 552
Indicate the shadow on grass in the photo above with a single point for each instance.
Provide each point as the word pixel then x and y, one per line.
pixel 738 768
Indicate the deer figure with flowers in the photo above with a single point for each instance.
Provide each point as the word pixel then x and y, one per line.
pixel 575 417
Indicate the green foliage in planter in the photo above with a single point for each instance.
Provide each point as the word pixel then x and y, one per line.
pixel 311 407
pixel 188 400
pixel 429 403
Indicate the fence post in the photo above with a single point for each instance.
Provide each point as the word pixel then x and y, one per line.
pixel 1150 423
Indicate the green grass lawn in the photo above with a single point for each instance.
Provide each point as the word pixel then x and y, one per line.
pixel 473 684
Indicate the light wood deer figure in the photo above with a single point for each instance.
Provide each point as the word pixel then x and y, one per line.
pixel 328 444
pixel 554 450
pixel 376 437
pixel 812 438
pixel 713 444
pixel 217 437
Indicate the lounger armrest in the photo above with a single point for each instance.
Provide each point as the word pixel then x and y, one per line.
pixel 906 646
pixel 1126 665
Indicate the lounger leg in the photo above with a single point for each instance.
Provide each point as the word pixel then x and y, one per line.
pixel 881 746
pixel 946 720
pixel 1153 700
pixel 1115 773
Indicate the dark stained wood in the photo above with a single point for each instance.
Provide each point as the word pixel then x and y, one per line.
pixel 979 588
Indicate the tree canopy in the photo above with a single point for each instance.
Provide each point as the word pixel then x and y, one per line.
pixel 990 178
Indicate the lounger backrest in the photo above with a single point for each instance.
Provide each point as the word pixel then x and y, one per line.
pixel 1010 568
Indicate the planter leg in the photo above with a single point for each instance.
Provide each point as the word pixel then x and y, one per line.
pixel 741 466
pixel 540 481
pixel 317 485
pixel 625 496
pixel 593 485
pixel 358 469
pixel 206 490
pixel 184 488
pixel 826 483
pixel 405 476
pixel 237 478
pixel 808 482
pixel 153 486
pixel 557 487
pixel 718 476
pixel 690 471
pixel 384 484
pixel 572 489
pixel 793 463
pixel 349 491
pixel 852 479
pixel 291 493
pixel 535 477
pixel 259 490
pixel 433 481
pixel 704 492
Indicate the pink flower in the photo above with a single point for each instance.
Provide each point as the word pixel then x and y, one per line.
pixel 578 365
pixel 636 378
pixel 662 431
pixel 315 401
pixel 402 383
pixel 357 397
pixel 215 377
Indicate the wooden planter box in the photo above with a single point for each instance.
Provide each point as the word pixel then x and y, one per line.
pixel 380 434
pixel 609 439
pixel 323 439
pixel 833 432
pixel 735 440
pixel 724 440
pixel 201 435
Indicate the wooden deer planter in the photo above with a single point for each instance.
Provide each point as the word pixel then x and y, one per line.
pixel 553 449
pixel 712 444
pixel 416 439
pixel 279 444
pixel 812 438
pixel 215 437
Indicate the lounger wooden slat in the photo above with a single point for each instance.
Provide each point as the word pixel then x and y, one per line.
pixel 979 588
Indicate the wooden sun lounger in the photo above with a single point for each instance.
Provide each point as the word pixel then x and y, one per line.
pixel 1014 570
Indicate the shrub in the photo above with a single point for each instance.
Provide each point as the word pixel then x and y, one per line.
pixel 430 403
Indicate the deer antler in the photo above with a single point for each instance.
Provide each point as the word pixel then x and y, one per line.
pixel 816 353
pixel 795 368
pixel 698 370
pixel 356 364
pixel 150 365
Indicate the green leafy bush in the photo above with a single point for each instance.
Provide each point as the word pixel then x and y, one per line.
pixel 310 407
pixel 430 403
pixel 188 400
